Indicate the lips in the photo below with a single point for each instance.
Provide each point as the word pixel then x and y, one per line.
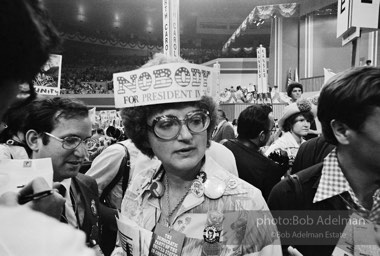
pixel 75 162
pixel 185 150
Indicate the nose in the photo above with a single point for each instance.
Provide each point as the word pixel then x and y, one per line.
pixel 184 133
pixel 81 151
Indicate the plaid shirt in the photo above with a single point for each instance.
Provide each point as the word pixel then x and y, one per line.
pixel 333 182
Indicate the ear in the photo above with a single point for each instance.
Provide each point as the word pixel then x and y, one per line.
pixel 262 136
pixel 341 132
pixel 31 138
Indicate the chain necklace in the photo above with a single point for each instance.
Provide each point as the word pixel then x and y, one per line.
pixel 170 213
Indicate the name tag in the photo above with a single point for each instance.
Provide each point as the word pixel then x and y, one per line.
pixel 166 241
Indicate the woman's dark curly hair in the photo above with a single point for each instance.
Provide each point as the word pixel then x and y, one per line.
pixel 135 120
pixel 290 121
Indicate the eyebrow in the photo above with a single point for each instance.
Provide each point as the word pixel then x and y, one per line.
pixel 74 135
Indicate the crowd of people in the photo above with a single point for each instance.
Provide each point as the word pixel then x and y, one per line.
pixel 180 181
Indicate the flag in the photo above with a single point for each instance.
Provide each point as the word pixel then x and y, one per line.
pixel 289 79
pixel 328 74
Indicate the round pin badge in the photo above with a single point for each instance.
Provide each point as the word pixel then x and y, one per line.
pixel 232 183
pixel 214 188
pixel 93 208
pixel 211 234
pixel 157 189
pixel 202 176
pixel 197 188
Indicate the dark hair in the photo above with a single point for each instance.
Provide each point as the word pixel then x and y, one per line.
pixel 292 86
pixel 135 120
pixel 222 113
pixel 45 113
pixel 368 62
pixel 350 98
pixel 99 131
pixel 290 121
pixel 27 37
pixel 252 121
pixel 14 118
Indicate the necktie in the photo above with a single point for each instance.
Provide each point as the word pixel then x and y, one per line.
pixel 62 192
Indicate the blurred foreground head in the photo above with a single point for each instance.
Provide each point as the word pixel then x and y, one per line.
pixel 27 38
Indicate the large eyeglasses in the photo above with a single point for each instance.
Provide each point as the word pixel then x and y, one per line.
pixel 72 142
pixel 169 127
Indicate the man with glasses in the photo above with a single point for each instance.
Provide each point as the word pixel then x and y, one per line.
pixel 60 128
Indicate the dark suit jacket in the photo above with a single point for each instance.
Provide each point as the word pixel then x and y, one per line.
pixel 87 189
pixel 311 152
pixel 226 131
pixel 284 202
pixel 254 167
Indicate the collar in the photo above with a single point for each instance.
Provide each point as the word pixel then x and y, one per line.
pixel 144 179
pixel 332 182
pixel 247 143
pixel 220 124
pixel 67 184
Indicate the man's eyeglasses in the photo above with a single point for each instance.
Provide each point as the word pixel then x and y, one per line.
pixel 72 142
pixel 169 127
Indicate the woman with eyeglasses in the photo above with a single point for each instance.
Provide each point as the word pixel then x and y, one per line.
pixel 189 195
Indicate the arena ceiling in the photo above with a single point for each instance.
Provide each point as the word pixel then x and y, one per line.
pixel 202 22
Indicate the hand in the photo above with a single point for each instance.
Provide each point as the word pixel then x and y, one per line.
pixel 51 205
pixel 294 252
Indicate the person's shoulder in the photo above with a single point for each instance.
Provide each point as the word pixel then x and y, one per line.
pixel 218 148
pixel 5 152
pixel 85 179
pixel 36 228
pixel 306 179
pixel 244 193
pixel 233 185
pixel 142 177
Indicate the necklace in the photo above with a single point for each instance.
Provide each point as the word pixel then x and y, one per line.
pixel 170 213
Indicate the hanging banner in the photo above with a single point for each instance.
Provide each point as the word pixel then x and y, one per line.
pixel 357 13
pixel 170 23
pixel 262 77
pixel 174 82
pixel 48 81
pixel 174 27
pixel 166 26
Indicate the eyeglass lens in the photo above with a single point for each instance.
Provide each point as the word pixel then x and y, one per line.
pixel 168 127
pixel 73 142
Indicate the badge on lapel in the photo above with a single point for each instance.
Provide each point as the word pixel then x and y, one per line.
pixel 93 208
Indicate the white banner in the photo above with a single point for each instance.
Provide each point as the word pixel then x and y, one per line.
pixel 357 13
pixel 343 21
pixel 262 77
pixel 166 26
pixel 174 28
pixel 174 82
pixel 365 13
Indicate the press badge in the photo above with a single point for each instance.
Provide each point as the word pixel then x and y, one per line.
pixel 166 241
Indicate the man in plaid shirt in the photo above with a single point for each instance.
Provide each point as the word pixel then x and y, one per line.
pixel 346 185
